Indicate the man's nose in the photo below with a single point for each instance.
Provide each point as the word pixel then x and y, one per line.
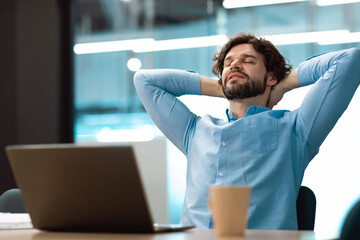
pixel 236 64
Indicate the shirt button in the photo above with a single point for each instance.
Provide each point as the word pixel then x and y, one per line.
pixel 223 144
pixel 220 174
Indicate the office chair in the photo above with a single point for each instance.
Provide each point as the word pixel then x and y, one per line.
pixel 350 229
pixel 11 201
pixel 305 208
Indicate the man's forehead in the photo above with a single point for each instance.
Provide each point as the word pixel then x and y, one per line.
pixel 244 49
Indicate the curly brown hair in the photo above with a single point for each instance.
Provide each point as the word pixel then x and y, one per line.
pixel 273 60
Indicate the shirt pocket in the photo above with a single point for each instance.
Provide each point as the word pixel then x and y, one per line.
pixel 260 134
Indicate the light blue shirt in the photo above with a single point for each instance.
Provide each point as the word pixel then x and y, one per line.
pixel 267 149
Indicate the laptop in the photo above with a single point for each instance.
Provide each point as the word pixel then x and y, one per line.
pixel 86 188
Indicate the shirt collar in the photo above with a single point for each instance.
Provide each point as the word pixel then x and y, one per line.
pixel 251 111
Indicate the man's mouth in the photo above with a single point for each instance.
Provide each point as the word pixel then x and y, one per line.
pixel 236 75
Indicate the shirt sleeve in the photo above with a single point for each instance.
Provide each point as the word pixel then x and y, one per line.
pixel 158 91
pixel 336 76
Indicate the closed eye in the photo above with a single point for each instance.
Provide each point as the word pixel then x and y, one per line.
pixel 227 64
pixel 249 60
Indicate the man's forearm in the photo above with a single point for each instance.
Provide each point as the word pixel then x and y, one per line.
pixel 210 87
pixel 291 81
pixel 175 82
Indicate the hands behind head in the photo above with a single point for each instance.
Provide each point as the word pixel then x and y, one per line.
pixel 276 94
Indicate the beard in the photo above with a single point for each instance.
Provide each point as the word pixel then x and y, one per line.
pixel 251 88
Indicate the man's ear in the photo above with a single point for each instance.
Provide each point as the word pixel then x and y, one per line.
pixel 271 79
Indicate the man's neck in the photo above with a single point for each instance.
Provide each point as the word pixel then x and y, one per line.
pixel 239 107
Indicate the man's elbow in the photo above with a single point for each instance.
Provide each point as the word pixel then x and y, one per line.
pixel 354 53
pixel 140 77
pixel 354 66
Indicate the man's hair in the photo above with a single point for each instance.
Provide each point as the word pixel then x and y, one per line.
pixel 273 60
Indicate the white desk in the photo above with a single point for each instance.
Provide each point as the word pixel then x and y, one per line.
pixel 193 234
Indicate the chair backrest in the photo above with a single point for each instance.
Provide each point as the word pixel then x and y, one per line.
pixel 306 207
pixel 350 228
pixel 11 201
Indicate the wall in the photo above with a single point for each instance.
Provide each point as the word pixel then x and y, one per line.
pixel 36 76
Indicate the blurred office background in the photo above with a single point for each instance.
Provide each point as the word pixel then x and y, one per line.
pixel 112 39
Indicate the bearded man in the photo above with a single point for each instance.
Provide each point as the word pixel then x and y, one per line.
pixel 266 149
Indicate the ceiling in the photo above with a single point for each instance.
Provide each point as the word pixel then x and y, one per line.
pixel 104 15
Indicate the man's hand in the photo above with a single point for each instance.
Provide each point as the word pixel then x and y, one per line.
pixel 210 87
pixel 277 92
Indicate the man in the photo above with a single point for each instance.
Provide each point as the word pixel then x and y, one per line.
pixel 257 146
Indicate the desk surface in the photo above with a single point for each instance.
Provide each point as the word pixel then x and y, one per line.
pixel 193 234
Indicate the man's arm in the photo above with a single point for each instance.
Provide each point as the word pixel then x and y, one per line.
pixel 158 90
pixel 335 77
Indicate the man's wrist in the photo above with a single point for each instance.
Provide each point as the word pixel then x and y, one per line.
pixel 290 81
